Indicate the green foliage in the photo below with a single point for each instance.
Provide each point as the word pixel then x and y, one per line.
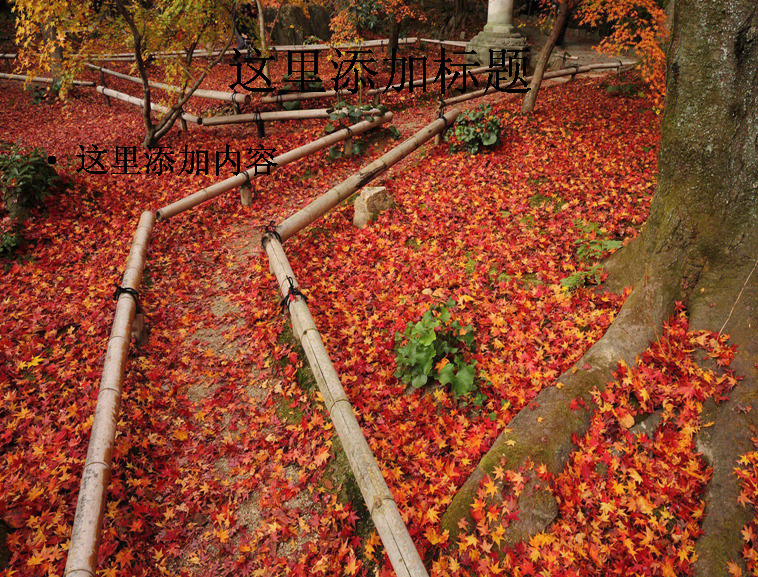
pixel 26 179
pixel 435 350
pixel 475 129
pixel 343 115
pixel 583 277
pixel 593 248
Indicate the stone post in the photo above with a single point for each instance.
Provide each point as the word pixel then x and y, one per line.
pixel 499 34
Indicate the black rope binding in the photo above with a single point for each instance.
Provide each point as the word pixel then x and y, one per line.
pixel 441 113
pixel 270 228
pixel 129 291
pixel 292 293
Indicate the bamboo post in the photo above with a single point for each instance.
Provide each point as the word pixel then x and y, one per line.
pixel 141 103
pixel 237 180
pixel 334 196
pixel 246 195
pixel 398 544
pixel 105 96
pixel 90 507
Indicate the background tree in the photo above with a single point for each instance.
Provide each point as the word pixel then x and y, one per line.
pixel 636 25
pixel 699 247
pixel 61 35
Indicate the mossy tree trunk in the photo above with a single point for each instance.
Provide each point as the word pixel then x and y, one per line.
pixel 699 246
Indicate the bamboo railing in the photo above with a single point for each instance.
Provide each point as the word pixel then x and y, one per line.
pixel 239 179
pixel 379 501
pixel 41 79
pixel 570 71
pixel 200 92
pixel 86 533
pixel 334 196
pixel 298 96
pixel 141 103
pixel 273 116
pixel 90 506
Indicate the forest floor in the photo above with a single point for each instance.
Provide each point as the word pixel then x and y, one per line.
pixel 226 462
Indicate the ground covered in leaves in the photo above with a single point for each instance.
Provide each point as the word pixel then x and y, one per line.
pixel 225 461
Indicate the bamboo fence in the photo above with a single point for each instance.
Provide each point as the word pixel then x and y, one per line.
pixel 41 79
pixel 378 498
pixel 90 506
pixel 242 178
pixel 299 96
pixel 200 92
pixel 335 195
pixel 570 71
pixel 278 115
pixel 141 103
pixel 398 544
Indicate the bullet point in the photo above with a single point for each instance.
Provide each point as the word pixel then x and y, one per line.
pixel 51 160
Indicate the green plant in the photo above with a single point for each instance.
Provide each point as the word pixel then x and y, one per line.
pixel 593 248
pixel 343 115
pixel 26 178
pixel 435 348
pixel 475 129
pixel 582 277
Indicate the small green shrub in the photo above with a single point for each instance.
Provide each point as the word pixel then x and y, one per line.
pixel 435 348
pixel 343 115
pixel 475 129
pixel 593 248
pixel 583 277
pixel 26 179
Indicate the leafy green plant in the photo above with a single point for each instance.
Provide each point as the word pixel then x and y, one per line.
pixel 583 277
pixel 435 348
pixel 475 129
pixel 593 248
pixel 343 115
pixel 26 179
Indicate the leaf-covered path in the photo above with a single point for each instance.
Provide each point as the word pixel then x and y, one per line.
pixel 225 461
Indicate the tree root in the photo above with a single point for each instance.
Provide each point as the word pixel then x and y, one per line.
pixel 542 432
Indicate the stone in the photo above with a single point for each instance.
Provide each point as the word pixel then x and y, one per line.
pixel 370 202
pixel 246 194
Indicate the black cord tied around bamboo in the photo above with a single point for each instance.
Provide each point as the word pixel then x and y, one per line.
pixel 120 290
pixel 292 293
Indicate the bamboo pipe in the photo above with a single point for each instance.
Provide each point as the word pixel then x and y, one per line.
pixel 200 92
pixel 334 196
pixel 90 507
pixel 321 47
pixel 571 71
pixel 376 494
pixel 141 103
pixel 299 96
pixel 274 115
pixel 454 43
pixel 295 154
pixel 42 79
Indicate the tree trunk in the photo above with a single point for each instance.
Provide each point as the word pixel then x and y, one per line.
pixel 394 34
pixel 699 246
pixel 262 34
pixel 560 21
